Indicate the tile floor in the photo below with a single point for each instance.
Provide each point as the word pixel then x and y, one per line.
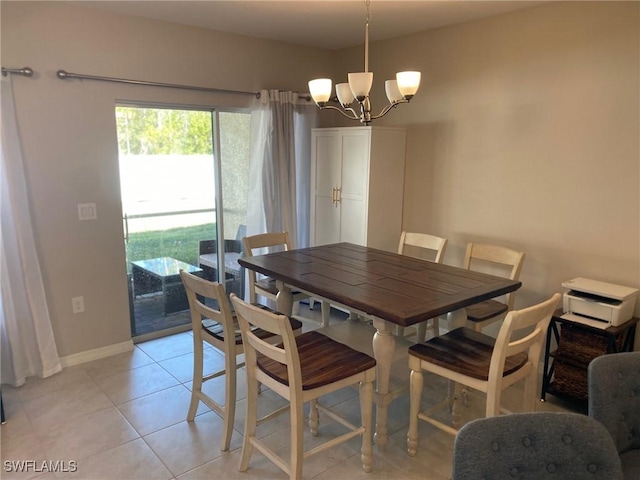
pixel 123 417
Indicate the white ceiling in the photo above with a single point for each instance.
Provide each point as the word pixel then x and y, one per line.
pixel 330 24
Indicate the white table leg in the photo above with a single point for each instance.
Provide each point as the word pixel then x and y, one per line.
pixel 326 313
pixel 284 299
pixel 456 319
pixel 383 346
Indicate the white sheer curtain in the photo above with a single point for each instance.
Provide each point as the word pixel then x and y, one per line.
pixel 27 345
pixel 279 172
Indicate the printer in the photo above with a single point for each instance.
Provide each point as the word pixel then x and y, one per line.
pixel 598 304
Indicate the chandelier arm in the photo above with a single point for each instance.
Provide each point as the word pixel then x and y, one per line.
pixel 343 112
pixel 388 108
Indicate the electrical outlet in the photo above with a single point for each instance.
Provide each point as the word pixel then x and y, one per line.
pixel 77 304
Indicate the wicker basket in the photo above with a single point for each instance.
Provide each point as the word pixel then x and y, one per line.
pixel 570 380
pixel 582 345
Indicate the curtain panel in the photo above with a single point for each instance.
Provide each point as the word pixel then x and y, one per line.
pixel 27 344
pixel 279 172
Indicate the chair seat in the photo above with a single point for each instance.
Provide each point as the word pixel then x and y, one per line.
pixel 269 285
pixel 485 310
pixel 322 361
pixel 215 329
pixel 465 351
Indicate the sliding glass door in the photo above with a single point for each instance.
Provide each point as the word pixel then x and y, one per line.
pixel 183 175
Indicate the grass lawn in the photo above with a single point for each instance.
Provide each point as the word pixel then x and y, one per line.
pixel 179 243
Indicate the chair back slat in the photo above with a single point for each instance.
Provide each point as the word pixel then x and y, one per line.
pixel 261 244
pixel 251 316
pixel 538 317
pixel 492 257
pixel 495 254
pixel 198 290
pixel 266 240
pixel 424 241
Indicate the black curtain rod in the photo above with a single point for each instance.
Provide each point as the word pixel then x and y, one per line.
pixel 63 75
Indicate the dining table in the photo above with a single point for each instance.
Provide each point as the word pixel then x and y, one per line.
pixel 388 288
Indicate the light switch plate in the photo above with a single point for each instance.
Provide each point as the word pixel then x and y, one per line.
pixel 87 211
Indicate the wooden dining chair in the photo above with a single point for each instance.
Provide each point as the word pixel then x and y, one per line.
pixel 266 286
pixel 301 369
pixel 426 247
pixel 497 260
pixel 424 243
pixel 213 322
pixel 465 356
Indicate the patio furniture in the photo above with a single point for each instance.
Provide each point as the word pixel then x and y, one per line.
pixel 163 275
pixel 208 261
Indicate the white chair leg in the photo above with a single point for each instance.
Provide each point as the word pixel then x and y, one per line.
pixel 456 415
pixel 250 424
pixel 196 388
pixel 493 402
pixel 229 402
pixel 366 412
pixel 415 398
pixel 530 388
pixel 314 418
pixel 297 438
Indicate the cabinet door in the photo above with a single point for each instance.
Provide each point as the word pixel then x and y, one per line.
pixel 325 220
pixel 354 185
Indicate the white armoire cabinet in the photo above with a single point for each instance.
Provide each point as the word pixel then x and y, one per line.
pixel 357 183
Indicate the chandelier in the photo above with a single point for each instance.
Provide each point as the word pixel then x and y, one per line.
pixel 400 90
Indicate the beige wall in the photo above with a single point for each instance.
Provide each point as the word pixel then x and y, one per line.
pixel 525 133
pixel 69 135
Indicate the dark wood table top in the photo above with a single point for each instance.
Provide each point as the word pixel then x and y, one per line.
pixel 396 288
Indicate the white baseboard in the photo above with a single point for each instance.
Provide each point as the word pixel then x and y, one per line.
pixel 96 354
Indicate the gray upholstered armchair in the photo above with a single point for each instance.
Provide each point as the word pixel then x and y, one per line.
pixel 614 400
pixel 535 446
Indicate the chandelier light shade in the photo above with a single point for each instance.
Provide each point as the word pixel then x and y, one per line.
pixel 400 90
